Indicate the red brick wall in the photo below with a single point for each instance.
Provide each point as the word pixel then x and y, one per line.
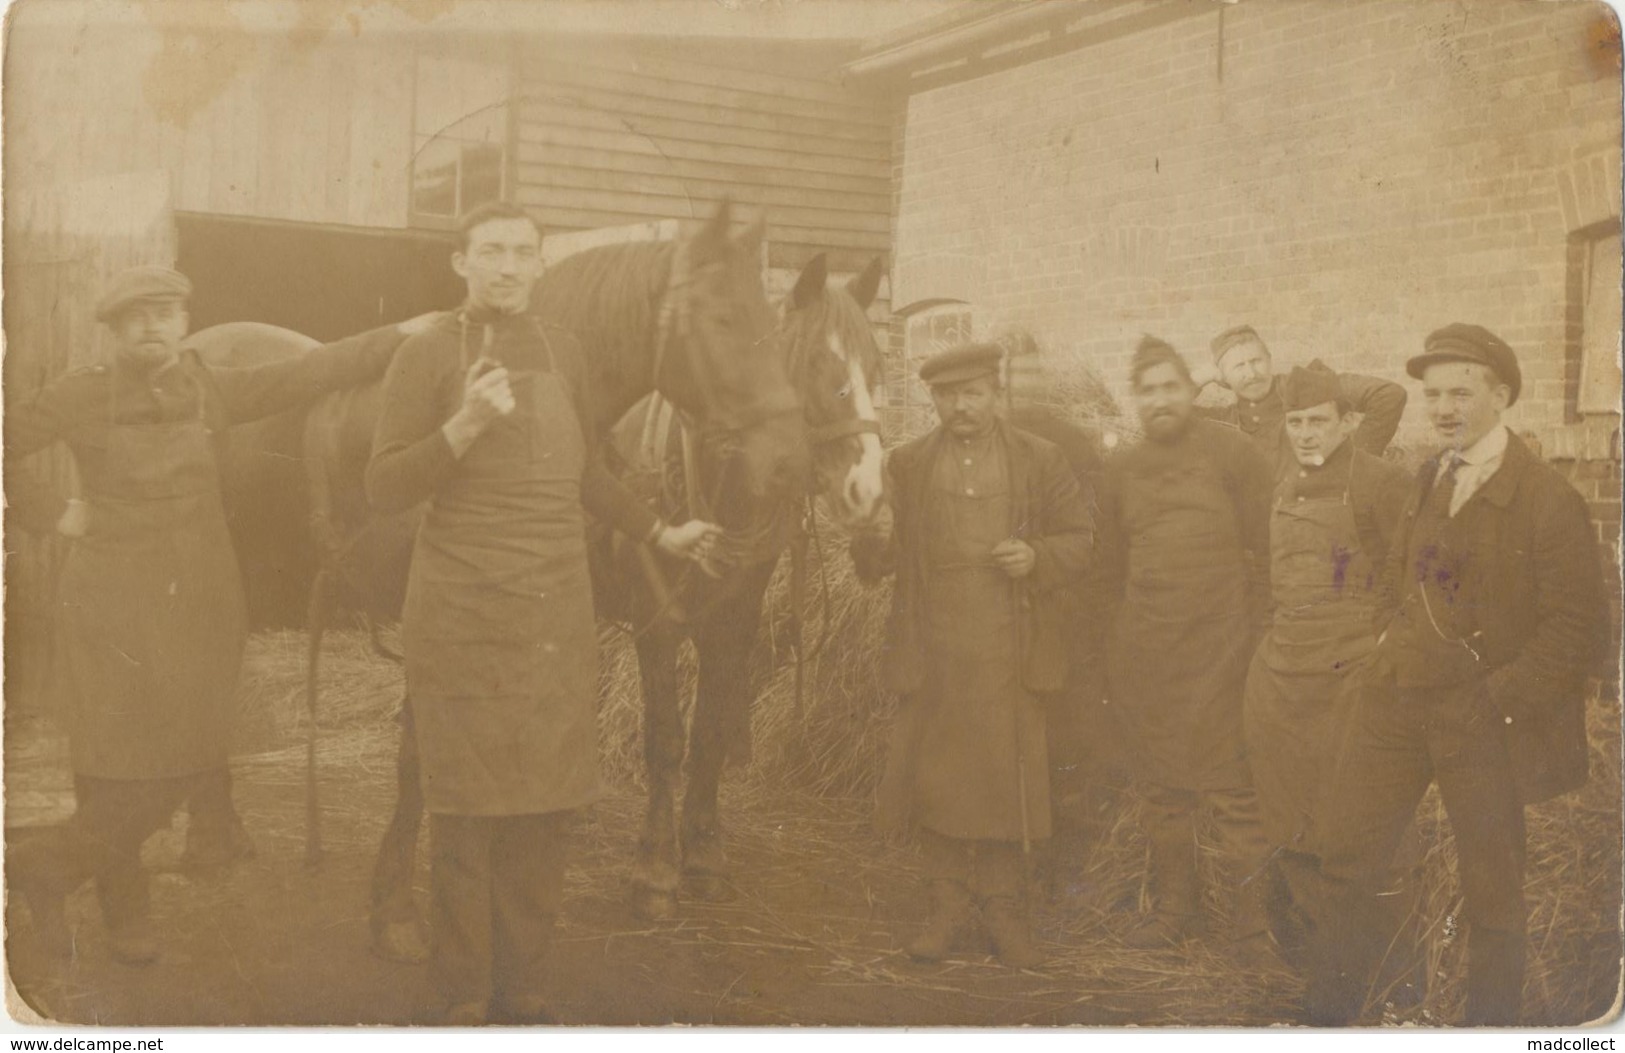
pixel 1362 173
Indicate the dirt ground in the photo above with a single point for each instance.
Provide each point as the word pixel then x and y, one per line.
pixel 812 936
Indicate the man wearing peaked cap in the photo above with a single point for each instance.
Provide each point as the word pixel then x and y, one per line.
pixel 1493 617
pixel 150 622
pixel 1243 364
pixel 990 530
pixel 1332 521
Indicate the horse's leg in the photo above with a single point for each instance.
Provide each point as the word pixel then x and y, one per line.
pixel 397 931
pixel 720 730
pixel 654 873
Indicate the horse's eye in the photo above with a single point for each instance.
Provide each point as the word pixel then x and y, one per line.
pixel 845 392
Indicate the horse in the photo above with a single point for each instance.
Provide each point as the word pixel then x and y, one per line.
pixel 827 346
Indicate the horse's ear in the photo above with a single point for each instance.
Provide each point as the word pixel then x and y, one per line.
pixel 864 287
pixel 751 240
pixel 712 238
pixel 810 286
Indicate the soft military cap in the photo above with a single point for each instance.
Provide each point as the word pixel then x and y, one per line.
pixel 1460 342
pixel 1305 388
pixel 1233 338
pixel 965 362
pixel 140 284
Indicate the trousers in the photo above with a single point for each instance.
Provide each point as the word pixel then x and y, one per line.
pixel 988 870
pixel 495 887
pixel 102 840
pixel 1401 740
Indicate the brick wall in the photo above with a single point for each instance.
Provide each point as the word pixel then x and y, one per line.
pixel 1361 173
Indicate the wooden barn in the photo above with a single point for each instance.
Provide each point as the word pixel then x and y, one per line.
pixel 308 172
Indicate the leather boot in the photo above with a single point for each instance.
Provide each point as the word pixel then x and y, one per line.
pixel 1250 942
pixel 1175 887
pixel 1007 922
pixel 950 912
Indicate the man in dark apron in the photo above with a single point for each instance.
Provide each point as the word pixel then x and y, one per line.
pixel 1242 364
pixel 1185 532
pixel 1495 617
pixel 991 531
pixel 482 418
pixel 149 615
pixel 1333 519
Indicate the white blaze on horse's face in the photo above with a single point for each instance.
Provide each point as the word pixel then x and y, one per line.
pixel 863 486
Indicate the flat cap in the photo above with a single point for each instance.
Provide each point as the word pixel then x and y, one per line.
pixel 1305 388
pixel 965 362
pixel 1460 342
pixel 141 283
pixel 1234 337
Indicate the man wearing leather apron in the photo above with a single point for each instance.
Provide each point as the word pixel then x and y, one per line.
pixel 149 616
pixel 483 419
pixel 1333 518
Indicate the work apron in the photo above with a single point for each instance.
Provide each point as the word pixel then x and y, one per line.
pixel 150 614
pixel 967 744
pixel 1178 651
pixel 1322 583
pixel 501 647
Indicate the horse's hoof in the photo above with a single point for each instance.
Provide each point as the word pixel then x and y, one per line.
pixel 652 904
pixel 711 888
pixel 400 941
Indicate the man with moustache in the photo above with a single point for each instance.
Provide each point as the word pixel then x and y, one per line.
pixel 1185 546
pixel 1331 525
pixel 149 617
pixel 1495 616
pixel 990 532
pixel 482 418
pixel 1242 363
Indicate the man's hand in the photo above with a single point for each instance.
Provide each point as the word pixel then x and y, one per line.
pixel 1015 557
pixel 75 519
pixel 693 540
pixel 486 397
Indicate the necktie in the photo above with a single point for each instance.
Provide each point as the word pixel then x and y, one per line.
pixel 1444 487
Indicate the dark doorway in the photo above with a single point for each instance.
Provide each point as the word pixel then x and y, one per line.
pixel 324 282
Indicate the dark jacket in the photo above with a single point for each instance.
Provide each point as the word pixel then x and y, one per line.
pixel 1048 513
pixel 1540 611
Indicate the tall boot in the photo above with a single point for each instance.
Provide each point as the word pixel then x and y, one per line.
pixel 1175 887
pixel 1495 966
pixel 950 914
pixel 1000 880
pixel 1250 943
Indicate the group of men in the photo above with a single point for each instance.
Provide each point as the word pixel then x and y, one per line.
pixel 1300 636
pixel 482 421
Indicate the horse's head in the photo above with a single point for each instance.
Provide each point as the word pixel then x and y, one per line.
pixel 716 318
pixel 830 350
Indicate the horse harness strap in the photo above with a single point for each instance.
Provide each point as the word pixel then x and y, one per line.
pixel 834 431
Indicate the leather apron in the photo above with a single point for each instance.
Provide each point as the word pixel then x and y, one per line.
pixel 498 628
pixel 961 743
pixel 1298 686
pixel 150 615
pixel 1178 650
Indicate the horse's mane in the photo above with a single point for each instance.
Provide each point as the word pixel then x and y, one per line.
pixel 836 310
pixel 607 295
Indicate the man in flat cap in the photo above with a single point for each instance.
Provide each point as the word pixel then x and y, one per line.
pixel 1332 522
pixel 149 615
pixel 1495 617
pixel 1184 553
pixel 1242 363
pixel 990 532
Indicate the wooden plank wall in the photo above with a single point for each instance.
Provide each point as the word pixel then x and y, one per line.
pixel 612 132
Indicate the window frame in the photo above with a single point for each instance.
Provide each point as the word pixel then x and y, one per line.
pixel 420 139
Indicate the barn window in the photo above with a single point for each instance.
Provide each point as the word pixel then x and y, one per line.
pixel 1600 325
pixel 460 136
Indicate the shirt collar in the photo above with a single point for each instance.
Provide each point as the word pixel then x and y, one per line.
pixel 1488 448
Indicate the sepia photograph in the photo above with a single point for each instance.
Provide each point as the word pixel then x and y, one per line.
pixel 842 513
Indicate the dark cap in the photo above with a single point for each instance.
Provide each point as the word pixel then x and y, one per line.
pixel 138 284
pixel 1305 388
pixel 965 362
pixel 1234 337
pixel 1152 352
pixel 1460 342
